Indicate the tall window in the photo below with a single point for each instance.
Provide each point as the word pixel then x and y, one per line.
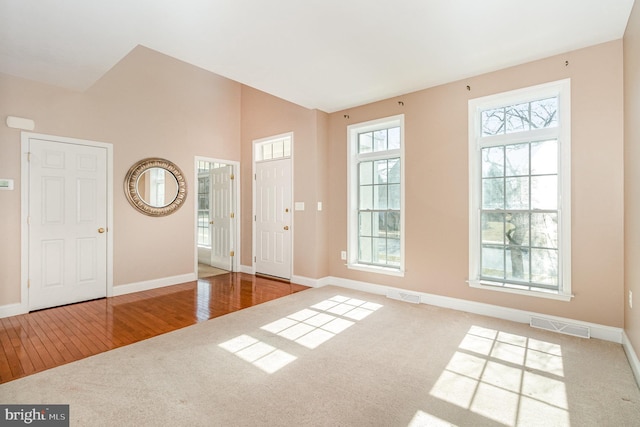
pixel 376 191
pixel 519 157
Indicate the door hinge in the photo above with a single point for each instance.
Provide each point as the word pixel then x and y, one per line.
pixel 254 259
pixel 255 177
pixel 232 176
pixel 28 283
pixel 29 220
pixel 232 253
pixel 233 215
pixel 28 156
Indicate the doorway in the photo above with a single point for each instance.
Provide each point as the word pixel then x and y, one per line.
pixel 217 212
pixel 272 206
pixel 67 203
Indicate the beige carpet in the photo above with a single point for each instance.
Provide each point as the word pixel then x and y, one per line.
pixel 337 357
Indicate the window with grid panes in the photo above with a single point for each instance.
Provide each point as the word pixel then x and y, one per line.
pixel 519 157
pixel 376 188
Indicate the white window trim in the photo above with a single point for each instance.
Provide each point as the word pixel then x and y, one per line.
pixel 352 191
pixel 562 89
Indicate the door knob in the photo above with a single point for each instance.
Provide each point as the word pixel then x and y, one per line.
pixel 286 227
pixel 100 230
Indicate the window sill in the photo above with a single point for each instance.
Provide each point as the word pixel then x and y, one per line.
pixel 374 269
pixel 537 293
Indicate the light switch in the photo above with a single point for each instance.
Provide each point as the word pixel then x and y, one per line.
pixel 6 184
pixel 319 206
pixel 299 206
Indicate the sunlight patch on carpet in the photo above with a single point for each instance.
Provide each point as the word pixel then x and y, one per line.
pixel 314 326
pixel 309 327
pixel 258 353
pixel 422 419
pixel 506 378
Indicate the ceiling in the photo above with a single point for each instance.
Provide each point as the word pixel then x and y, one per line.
pixel 324 54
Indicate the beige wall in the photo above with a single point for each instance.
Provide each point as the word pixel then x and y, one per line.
pixel 436 176
pixel 152 105
pixel 632 176
pixel 147 105
pixel 263 116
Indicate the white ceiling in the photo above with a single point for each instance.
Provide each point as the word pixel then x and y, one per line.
pixel 324 54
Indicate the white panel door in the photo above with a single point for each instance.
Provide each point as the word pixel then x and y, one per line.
pixel 220 217
pixel 67 223
pixel 273 218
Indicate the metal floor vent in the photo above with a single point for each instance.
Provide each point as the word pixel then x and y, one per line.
pixel 561 327
pixel 404 296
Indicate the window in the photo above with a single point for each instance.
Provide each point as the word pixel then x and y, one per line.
pixel 278 148
pixel 519 160
pixel 376 196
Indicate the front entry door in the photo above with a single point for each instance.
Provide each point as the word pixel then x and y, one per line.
pixel 273 218
pixel 67 221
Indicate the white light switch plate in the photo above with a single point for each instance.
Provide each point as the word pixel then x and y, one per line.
pixel 299 206
pixel 6 184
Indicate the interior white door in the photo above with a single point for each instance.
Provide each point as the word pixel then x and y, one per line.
pixel 273 218
pixel 220 217
pixel 67 223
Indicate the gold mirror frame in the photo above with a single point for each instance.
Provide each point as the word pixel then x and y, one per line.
pixel 131 186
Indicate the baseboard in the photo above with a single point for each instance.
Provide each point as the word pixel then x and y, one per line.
pixel 18 308
pixel 247 269
pixel 306 281
pixel 13 310
pixel 153 284
pixel 603 332
pixel 632 356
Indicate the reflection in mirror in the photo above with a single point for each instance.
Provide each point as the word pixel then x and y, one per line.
pixel 157 187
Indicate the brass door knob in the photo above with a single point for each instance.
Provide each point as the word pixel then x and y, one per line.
pixel 100 230
pixel 286 227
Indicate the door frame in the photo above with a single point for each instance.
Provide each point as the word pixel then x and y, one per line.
pixel 24 206
pixel 235 229
pixel 256 143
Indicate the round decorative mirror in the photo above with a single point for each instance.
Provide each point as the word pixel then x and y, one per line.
pixel 155 186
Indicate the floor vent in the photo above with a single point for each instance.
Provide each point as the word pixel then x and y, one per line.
pixel 404 296
pixel 562 327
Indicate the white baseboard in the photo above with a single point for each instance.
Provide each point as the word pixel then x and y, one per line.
pixel 153 284
pixel 603 332
pixel 13 309
pixel 18 308
pixel 306 281
pixel 632 356
pixel 247 269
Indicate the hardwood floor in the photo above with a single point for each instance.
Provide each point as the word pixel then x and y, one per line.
pixel 43 339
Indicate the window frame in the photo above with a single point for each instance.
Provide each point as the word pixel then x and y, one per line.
pixel 561 89
pixel 353 190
